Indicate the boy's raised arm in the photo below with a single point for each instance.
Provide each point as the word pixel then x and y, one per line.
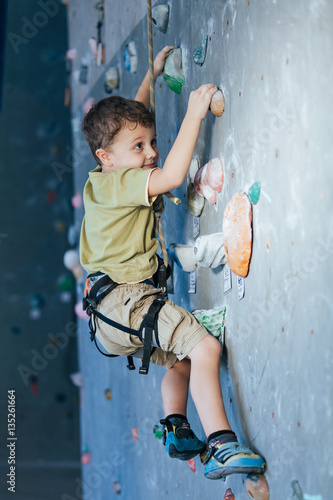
pixel 177 163
pixel 143 94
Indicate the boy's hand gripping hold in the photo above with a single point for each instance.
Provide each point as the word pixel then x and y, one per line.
pixel 175 168
pixel 143 94
pixel 199 101
pixel 160 60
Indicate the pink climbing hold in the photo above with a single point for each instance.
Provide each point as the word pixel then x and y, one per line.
pixel 191 464
pixel 86 458
pixel 71 54
pixel 80 313
pixel 209 179
pixel 88 105
pixel 77 200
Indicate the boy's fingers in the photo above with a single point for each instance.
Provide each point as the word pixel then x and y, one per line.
pixel 209 87
pixel 208 91
pixel 212 91
pixel 167 48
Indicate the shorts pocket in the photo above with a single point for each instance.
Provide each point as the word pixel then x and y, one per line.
pixel 169 319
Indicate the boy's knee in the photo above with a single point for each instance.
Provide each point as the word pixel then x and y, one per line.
pixel 209 346
pixel 214 345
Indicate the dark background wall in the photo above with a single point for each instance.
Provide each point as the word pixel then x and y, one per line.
pixel 36 355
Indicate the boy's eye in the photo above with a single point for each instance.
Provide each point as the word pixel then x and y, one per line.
pixel 139 146
pixel 153 142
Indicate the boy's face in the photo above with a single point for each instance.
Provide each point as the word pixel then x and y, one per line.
pixel 132 148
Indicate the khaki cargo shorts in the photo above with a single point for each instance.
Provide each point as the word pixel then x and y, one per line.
pixel 178 330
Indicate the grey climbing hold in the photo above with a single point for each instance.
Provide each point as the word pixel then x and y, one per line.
pixel 160 16
pixel 199 53
pixel 173 71
pixel 297 493
pixel 195 202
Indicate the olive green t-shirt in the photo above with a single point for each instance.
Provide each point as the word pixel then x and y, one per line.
pixel 116 233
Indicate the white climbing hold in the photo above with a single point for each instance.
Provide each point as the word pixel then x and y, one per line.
pixel 184 257
pixel 209 250
pixel 112 77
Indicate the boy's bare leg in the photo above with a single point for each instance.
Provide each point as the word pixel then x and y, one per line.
pixel 225 454
pixel 205 385
pixel 179 439
pixel 174 388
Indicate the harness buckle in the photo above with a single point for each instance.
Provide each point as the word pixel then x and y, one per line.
pixel 88 305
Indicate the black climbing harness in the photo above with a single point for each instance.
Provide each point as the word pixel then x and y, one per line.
pixel 102 285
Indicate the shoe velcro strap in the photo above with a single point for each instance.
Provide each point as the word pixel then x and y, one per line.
pixel 184 431
pixel 210 453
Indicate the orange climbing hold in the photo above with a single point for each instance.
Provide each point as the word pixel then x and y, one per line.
pixel 217 103
pixel 135 433
pixel 257 487
pixel 237 231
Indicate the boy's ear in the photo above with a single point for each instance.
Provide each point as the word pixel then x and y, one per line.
pixel 104 156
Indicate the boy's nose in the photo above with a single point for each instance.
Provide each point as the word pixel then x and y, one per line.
pixel 151 153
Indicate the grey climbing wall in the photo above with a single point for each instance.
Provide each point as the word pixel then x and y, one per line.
pixel 273 62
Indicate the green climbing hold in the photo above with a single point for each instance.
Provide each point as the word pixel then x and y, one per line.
pixel 254 192
pixel 173 71
pixel 158 431
pixel 213 320
pixel 65 283
pixel 199 53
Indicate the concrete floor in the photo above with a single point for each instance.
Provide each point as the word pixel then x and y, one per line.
pixel 272 60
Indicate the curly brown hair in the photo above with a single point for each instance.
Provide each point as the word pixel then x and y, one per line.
pixel 110 115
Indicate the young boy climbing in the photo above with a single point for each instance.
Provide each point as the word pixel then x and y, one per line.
pixel 117 241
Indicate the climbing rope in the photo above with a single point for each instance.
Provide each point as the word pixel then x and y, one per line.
pixel 159 204
pixel 151 59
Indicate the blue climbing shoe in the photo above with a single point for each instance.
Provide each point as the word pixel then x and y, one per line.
pixel 222 459
pixel 180 441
